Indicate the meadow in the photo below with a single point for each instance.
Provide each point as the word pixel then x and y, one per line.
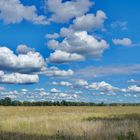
pixel 70 123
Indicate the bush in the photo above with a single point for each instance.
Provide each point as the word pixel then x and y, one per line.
pixel 129 136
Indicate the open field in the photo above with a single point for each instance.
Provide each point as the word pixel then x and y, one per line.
pixel 70 123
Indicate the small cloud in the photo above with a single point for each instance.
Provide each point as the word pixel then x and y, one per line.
pixel 52 36
pixel 133 81
pixel 80 83
pixel 54 90
pixel 123 42
pixel 119 24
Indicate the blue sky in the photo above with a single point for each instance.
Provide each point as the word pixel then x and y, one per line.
pixel 75 50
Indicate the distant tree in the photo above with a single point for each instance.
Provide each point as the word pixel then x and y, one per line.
pixel 102 104
pixel 7 101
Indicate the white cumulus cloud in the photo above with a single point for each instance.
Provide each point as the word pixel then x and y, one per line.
pixel 89 21
pixel 24 49
pixel 13 11
pixel 81 43
pixel 54 90
pixel 30 62
pixel 102 86
pixel 17 78
pixel 64 57
pixel 64 11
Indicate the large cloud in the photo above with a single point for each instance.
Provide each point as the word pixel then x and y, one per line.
pixel 89 21
pixel 79 42
pixel 25 63
pixel 17 78
pixel 13 11
pixel 64 11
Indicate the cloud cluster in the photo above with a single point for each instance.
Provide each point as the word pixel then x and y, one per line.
pixel 24 67
pixel 76 42
pixel 38 95
pixel 76 46
pixel 102 87
pixel 13 11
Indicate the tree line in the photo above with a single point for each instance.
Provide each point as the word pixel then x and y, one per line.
pixel 9 102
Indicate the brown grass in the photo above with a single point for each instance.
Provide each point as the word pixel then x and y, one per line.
pixel 69 123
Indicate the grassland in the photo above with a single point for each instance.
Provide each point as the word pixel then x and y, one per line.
pixel 70 123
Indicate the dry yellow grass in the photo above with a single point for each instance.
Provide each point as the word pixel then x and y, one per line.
pixel 69 123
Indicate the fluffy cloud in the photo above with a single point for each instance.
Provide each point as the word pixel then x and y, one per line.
pixel 17 78
pixel 64 11
pixel 89 21
pixel 133 88
pixel 54 90
pixel 13 11
pixel 25 63
pixel 64 57
pixel 25 67
pixel 122 42
pixel 23 49
pixel 79 42
pixel 102 86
